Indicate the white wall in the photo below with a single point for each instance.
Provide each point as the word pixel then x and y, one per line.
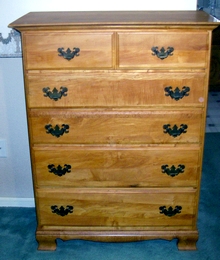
pixel 15 171
pixel 10 11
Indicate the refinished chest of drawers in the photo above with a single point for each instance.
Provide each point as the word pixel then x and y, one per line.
pixel 116 105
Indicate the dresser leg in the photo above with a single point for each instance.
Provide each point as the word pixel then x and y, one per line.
pixel 46 243
pixel 187 243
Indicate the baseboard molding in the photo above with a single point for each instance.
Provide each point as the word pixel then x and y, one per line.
pixel 17 202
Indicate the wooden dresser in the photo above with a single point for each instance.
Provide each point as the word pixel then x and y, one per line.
pixel 116 105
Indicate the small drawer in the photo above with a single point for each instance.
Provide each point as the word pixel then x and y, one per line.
pixel 77 89
pixel 114 208
pixel 115 127
pixel 46 50
pixel 105 166
pixel 162 49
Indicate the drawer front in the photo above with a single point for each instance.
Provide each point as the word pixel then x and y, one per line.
pixel 115 167
pixel 116 208
pixel 189 49
pixel 77 89
pixel 50 50
pixel 115 127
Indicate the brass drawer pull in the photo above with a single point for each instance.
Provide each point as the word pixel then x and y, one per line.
pixel 68 54
pixel 170 212
pixel 162 54
pixel 57 131
pixel 62 211
pixel 59 170
pixel 173 171
pixel 177 94
pixel 175 131
pixel 55 94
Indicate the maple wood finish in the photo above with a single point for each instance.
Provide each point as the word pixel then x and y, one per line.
pixel 117 130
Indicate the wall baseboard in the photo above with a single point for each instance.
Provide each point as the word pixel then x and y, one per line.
pixel 17 202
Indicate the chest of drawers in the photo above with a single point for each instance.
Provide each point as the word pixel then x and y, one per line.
pixel 116 105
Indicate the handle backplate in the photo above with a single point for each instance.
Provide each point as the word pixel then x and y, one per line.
pixel 162 53
pixel 175 131
pixel 177 94
pixel 59 170
pixel 55 94
pixel 170 212
pixel 57 130
pixel 62 211
pixel 68 54
pixel 173 170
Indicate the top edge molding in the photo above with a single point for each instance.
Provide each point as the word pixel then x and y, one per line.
pixel 115 19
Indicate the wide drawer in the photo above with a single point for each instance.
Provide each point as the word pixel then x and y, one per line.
pixel 54 50
pixel 115 127
pixel 91 166
pixel 77 89
pixel 115 208
pixel 183 49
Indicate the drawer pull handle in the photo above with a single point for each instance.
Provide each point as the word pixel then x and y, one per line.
pixel 62 211
pixel 175 131
pixel 173 171
pixel 55 94
pixel 162 53
pixel 177 94
pixel 59 170
pixel 170 212
pixel 57 131
pixel 68 54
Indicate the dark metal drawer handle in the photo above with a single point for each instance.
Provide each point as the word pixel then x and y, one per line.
pixel 62 211
pixel 173 171
pixel 55 94
pixel 162 53
pixel 59 170
pixel 175 131
pixel 68 54
pixel 57 131
pixel 170 212
pixel 177 94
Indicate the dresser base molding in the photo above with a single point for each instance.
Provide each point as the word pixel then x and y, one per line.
pixel 186 239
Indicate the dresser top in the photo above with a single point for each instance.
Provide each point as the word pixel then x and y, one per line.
pixel 114 19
